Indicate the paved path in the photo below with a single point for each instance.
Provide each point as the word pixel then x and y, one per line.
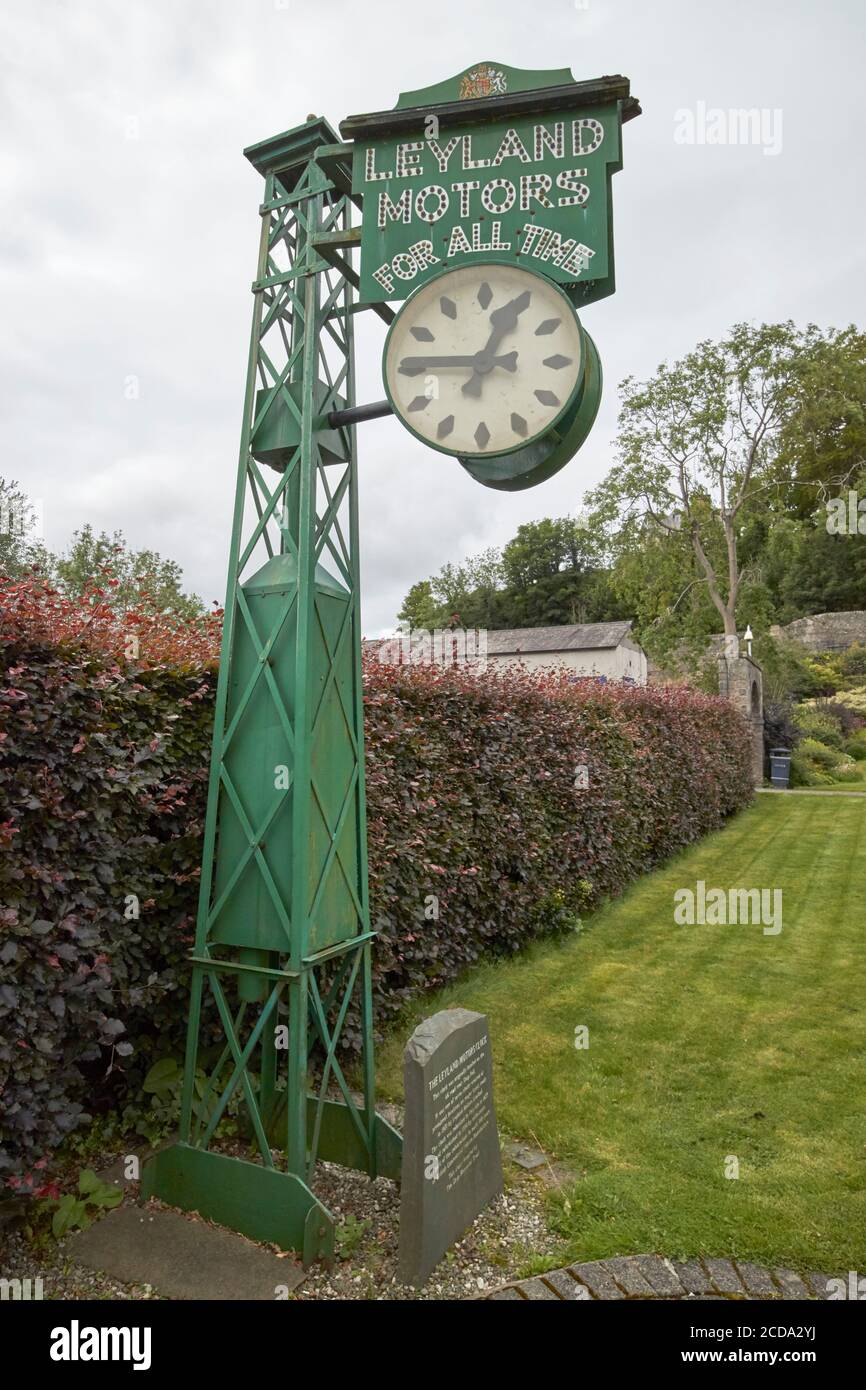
pixel 650 1276
pixel 182 1257
pixel 804 791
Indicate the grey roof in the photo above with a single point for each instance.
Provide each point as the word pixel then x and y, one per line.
pixel 571 637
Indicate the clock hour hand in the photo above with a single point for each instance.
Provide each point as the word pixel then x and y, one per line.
pixel 413 366
pixel 503 322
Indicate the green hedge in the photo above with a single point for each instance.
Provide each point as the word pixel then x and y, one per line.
pixel 472 803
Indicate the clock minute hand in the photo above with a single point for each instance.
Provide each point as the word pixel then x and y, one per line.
pixel 503 322
pixel 413 366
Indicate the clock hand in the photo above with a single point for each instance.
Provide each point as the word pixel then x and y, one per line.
pixel 503 321
pixel 412 366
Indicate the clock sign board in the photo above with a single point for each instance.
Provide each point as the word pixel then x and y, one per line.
pixel 496 164
pixel 487 214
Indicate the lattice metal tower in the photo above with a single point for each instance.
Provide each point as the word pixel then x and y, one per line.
pixel 283 936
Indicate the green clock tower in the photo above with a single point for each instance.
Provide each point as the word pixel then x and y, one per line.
pixel 485 204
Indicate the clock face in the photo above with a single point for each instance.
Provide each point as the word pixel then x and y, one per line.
pixel 484 359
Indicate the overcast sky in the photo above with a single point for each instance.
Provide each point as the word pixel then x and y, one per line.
pixel 129 232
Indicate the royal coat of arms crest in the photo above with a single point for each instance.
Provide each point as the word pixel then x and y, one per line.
pixel 482 82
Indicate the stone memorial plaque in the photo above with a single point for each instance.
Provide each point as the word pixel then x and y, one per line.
pixel 452 1166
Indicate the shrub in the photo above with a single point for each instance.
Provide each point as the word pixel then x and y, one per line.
pixel 820 753
pixel 780 730
pixel 805 773
pixel 825 674
pixel 818 725
pixel 98 768
pixel 847 772
pixel 855 699
pixel 853 661
pixel 845 716
pixel 815 763
pixel 471 798
pixel 788 671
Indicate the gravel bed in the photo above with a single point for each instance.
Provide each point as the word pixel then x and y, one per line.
pixel 507 1234
pixel 496 1249
pixel 61 1279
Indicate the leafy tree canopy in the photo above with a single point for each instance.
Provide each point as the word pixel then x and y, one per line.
pixel 93 563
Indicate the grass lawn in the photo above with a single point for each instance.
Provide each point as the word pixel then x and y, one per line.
pixel 704 1042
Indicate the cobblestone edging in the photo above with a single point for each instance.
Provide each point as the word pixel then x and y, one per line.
pixel 650 1276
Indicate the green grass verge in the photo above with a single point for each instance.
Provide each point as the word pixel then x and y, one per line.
pixel 705 1042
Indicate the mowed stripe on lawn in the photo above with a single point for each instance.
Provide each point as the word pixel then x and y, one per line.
pixel 707 1044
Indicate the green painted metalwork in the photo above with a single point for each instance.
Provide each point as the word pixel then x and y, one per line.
pixel 283 937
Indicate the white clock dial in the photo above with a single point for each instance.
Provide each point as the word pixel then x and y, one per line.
pixel 484 359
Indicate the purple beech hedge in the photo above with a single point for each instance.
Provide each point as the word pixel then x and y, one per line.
pixel 481 838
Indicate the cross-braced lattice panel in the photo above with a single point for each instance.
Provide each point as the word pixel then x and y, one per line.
pixel 234 1074
pixel 275 412
pixel 336 1008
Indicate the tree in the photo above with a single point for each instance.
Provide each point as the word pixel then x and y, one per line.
pixel 655 576
pixel 548 574
pixel 133 576
pixel 826 569
pixel 420 609
pixel 451 587
pixel 482 579
pixel 20 549
pixel 544 548
pixel 823 440
pixel 699 450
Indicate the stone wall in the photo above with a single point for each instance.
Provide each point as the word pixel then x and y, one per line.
pixel 825 632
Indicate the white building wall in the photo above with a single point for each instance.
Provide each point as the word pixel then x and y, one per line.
pixel 614 663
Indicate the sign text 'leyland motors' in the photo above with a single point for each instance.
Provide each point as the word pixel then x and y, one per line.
pixel 533 188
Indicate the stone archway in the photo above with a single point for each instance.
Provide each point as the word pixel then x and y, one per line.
pixel 741 681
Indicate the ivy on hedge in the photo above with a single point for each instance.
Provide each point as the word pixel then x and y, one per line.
pixel 480 837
